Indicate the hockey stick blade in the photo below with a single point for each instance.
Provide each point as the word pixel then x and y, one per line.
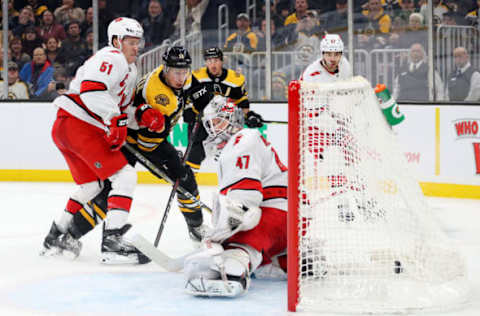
pixel 157 256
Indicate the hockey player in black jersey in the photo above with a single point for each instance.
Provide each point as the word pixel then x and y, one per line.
pixel 219 81
pixel 160 90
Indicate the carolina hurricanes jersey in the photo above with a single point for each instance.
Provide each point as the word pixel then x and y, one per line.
pixel 250 171
pixel 316 72
pixel 103 87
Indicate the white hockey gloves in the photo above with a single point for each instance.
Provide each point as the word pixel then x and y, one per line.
pixel 230 217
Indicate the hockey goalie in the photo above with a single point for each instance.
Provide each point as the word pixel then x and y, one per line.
pixel 249 215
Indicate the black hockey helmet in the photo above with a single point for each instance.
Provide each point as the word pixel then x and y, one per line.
pixel 177 57
pixel 213 52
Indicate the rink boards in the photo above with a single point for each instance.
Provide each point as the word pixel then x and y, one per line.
pixel 441 143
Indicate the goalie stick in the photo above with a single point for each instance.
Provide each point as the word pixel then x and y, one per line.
pixel 159 173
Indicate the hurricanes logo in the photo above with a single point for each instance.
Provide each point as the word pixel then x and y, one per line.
pixel 162 99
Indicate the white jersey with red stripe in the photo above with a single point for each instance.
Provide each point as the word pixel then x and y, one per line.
pixel 103 87
pixel 250 171
pixel 316 72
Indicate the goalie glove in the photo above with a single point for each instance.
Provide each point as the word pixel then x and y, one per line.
pixel 253 119
pixel 230 217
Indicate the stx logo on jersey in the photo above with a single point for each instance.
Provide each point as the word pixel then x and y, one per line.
pixel 199 93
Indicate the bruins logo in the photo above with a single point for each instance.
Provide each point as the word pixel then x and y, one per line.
pixel 162 99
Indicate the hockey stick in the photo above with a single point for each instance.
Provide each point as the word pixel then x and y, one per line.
pixel 156 255
pixel 274 122
pixel 195 129
pixel 162 175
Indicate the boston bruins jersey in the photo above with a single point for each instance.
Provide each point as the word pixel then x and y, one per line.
pixel 230 84
pixel 153 90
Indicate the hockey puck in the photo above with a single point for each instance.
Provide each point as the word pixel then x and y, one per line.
pixel 398 267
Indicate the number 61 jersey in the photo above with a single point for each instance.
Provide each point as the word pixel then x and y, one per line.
pixel 250 171
pixel 103 87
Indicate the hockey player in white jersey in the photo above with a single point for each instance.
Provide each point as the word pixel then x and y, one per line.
pixel 332 65
pixel 90 128
pixel 249 218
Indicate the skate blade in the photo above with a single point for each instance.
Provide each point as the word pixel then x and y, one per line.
pixel 51 252
pixel 214 288
pixel 111 258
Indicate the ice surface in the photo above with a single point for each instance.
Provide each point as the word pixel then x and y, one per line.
pixel 34 285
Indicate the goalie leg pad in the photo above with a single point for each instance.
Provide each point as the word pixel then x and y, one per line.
pixel 226 274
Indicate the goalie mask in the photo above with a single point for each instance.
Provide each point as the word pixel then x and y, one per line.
pixel 221 119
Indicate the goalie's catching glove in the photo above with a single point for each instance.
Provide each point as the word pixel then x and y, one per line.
pixel 253 119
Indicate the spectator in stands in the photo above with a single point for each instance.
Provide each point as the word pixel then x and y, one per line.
pixel 283 10
pixel 473 17
pixel 9 54
pixel 243 40
pixel 452 18
pixel 279 87
pixel 407 7
pixel 301 8
pixel 274 15
pixel 463 84
pixel 398 38
pixel 56 87
pixel 31 40
pixel 156 26
pixel 18 55
pixel 74 48
pixel 375 26
pixel 21 22
pixel 52 48
pixel 68 13
pixel 12 12
pixel 193 17
pixel 438 10
pixel 416 31
pixel 37 8
pixel 49 27
pixel 278 38
pixel 88 22
pixel 17 89
pixel 336 21
pixel 89 39
pixel 412 81
pixel 37 73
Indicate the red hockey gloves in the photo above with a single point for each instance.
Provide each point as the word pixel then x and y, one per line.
pixel 150 118
pixel 117 131
pixel 253 120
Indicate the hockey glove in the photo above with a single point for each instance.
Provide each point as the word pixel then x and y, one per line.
pixel 150 118
pixel 117 132
pixel 253 120
pixel 230 217
pixel 200 97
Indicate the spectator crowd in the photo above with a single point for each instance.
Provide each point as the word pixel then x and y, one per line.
pixel 49 39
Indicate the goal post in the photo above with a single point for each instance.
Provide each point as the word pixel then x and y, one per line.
pixel 361 237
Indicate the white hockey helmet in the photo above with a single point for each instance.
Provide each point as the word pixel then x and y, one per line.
pixel 122 27
pixel 331 43
pixel 222 117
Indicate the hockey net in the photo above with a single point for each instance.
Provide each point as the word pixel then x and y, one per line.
pixel 361 236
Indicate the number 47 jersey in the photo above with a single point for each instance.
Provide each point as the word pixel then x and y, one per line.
pixel 103 87
pixel 250 171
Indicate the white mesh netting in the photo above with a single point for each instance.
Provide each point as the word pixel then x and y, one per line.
pixel 368 240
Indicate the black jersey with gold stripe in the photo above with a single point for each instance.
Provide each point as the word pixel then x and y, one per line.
pixel 152 89
pixel 229 84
